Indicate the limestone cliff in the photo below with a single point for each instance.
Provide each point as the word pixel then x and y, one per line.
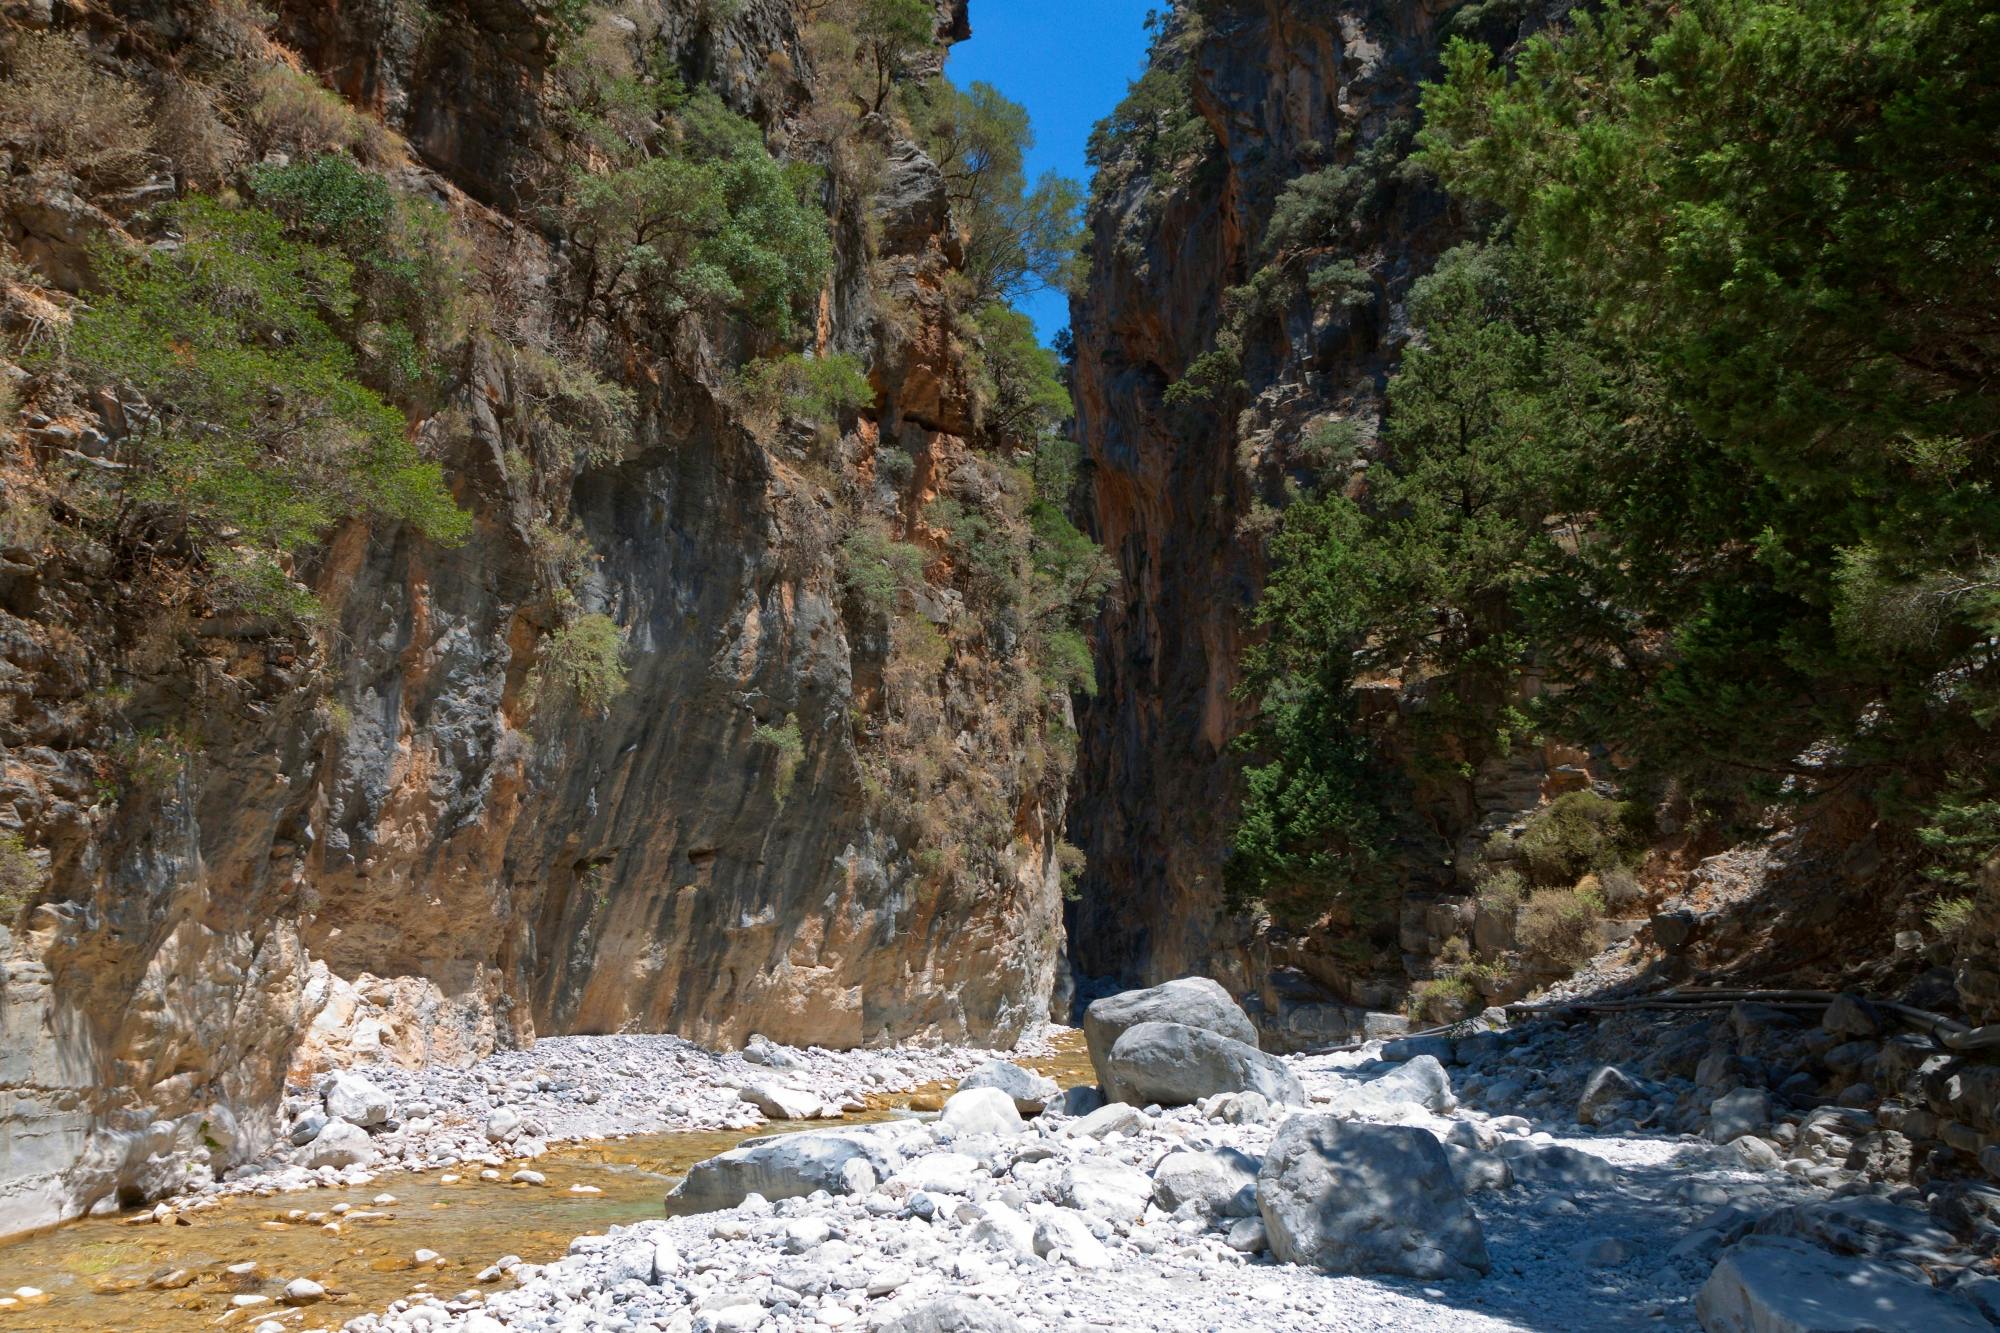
pixel 238 849
pixel 1179 493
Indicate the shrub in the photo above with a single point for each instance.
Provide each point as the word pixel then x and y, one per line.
pixel 265 438
pixel 710 223
pixel 791 752
pixel 578 415
pixel 62 110
pixel 20 876
pixel 1560 925
pixel 290 111
pixel 1502 890
pixel 1949 916
pixel 582 662
pixel 1066 655
pixel 1443 999
pixel 1070 865
pixel 815 389
pixel 1575 834
pixel 876 568
pixel 189 131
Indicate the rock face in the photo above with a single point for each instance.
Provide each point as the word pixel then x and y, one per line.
pixel 1360 1198
pixel 368 843
pixel 1195 1002
pixel 1176 1065
pixel 1182 489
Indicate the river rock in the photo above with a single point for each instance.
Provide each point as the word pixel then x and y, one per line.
pixel 339 1143
pixel 1422 1080
pixel 955 1314
pixel 354 1099
pixel 792 1166
pixel 761 1050
pixel 306 1128
pixel 1117 1118
pixel 1608 1089
pixel 1175 1065
pixel 1031 1092
pixel 1005 1230
pixel 502 1124
pixel 1775 1285
pixel 1359 1198
pixel 1223 1182
pixel 780 1102
pixel 1554 1164
pixel 1734 1114
pixel 1107 1190
pixel 981 1111
pixel 1079 1101
pixel 1064 1230
pixel 1195 1002
pixel 303 1291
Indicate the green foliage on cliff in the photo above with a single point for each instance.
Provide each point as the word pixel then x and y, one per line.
pixel 264 436
pixel 580 663
pixel 1703 436
pixel 1022 382
pixel 814 389
pixel 705 222
pixel 1156 127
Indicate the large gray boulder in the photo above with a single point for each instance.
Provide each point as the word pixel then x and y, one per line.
pixel 1771 1284
pixel 791 1166
pixel 1195 1002
pixel 955 1314
pixel 1222 1182
pixel 1177 1065
pixel 1350 1197
pixel 339 1143
pixel 981 1111
pixel 354 1099
pixel 1030 1091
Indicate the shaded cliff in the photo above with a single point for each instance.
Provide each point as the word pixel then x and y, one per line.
pixel 238 847
pixel 1182 486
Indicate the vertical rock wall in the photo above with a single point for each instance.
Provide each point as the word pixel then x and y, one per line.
pixel 365 842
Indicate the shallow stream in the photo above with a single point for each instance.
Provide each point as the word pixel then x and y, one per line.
pixel 128 1273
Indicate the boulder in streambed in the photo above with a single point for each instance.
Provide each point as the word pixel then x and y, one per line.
pixel 1176 1065
pixel 1030 1091
pixel 1350 1197
pixel 1195 1002
pixel 779 1102
pixel 981 1111
pixel 354 1099
pixel 339 1143
pixel 1770 1284
pixel 791 1166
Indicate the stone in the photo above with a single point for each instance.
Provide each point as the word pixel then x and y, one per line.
pixel 1755 1153
pixel 1735 1114
pixel 1238 1108
pixel 339 1143
pixel 1358 1198
pixel 1848 1016
pixel 779 1102
pixel 1607 1089
pixel 1003 1229
pixel 1108 1190
pixel 1030 1091
pixel 502 1124
pixel 667 1261
pixel 303 1291
pixel 1673 931
pixel 1176 1065
pixel 1246 1235
pixel 981 1111
pixel 354 1099
pixel 792 1166
pixel 306 1128
pixel 1440 1048
pixel 1475 1170
pixel 1859 1224
pixel 1196 1002
pixel 1221 1182
pixel 1422 1081
pixel 940 1173
pixel 1776 1285
pixel 1079 1101
pixel 761 1050
pixel 1567 1168
pixel 954 1314
pixel 1117 1118
pixel 1060 1229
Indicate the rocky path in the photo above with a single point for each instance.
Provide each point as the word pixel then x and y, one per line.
pixel 1367 1192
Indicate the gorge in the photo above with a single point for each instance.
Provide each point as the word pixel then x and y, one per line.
pixel 532 525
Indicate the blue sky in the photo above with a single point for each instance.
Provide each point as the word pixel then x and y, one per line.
pixel 1068 62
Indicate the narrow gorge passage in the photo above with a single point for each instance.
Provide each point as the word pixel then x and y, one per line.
pixel 991 665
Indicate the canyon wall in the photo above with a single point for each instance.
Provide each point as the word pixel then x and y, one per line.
pixel 254 851
pixel 1180 493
